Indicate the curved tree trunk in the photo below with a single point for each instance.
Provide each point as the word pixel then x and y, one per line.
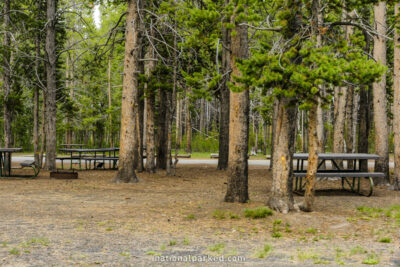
pixel 396 102
pixel 281 197
pixel 128 141
pixel 379 88
pixel 238 123
pixel 51 106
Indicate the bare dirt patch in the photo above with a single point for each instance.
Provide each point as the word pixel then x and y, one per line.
pixel 91 221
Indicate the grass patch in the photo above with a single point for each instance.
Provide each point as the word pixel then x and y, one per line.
pixel 36 241
pixel 219 214
pixel 14 251
pixel 372 259
pixel 172 243
pixel 163 247
pixel 125 254
pixel 190 217
pixel 153 253
pixel 264 252
pixel 186 241
pixel 219 248
pixel 311 230
pixel 304 255
pixel 276 234
pixel 357 250
pixel 258 213
pixel 233 216
pixel 385 240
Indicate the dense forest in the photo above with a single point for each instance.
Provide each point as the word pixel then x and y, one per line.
pixel 236 77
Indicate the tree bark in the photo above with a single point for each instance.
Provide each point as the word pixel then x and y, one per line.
pixel 238 122
pixel 225 101
pixel 313 150
pixel 339 120
pixel 273 131
pixel 51 90
pixel 162 130
pixel 379 89
pixel 110 120
pixel 178 128
pixel 281 197
pixel 188 123
pixel 150 106
pixel 349 123
pixel 128 140
pixel 396 101
pixel 7 74
pixel 36 92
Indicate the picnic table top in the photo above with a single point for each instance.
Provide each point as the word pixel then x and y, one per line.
pixel 83 150
pixel 339 156
pixel 10 149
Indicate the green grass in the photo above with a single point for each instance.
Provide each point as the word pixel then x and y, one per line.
pixel 233 216
pixel 357 250
pixel 186 241
pixel 125 254
pixel 385 240
pixel 219 214
pixel 14 251
pixel 304 255
pixel 311 230
pixel 219 248
pixel 372 259
pixel 257 213
pixel 264 252
pixel 190 217
pixel 172 243
pixel 36 241
pixel 153 253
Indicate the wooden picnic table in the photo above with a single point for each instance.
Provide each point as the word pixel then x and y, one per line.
pixel 72 145
pixel 337 170
pixel 5 160
pixel 79 151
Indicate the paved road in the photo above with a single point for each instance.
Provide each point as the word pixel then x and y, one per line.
pixel 207 161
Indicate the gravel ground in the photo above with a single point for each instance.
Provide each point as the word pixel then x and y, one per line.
pixel 92 222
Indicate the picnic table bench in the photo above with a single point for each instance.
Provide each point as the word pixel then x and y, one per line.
pixel 349 177
pixel 89 155
pixel 6 164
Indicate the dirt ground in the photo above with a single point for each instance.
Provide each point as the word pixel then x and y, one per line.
pixel 161 220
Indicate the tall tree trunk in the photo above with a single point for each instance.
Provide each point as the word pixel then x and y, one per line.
pixel 238 122
pixel 178 128
pixel 128 141
pixel 273 131
pixel 188 123
pixel 225 101
pixel 150 107
pixel 51 90
pixel 339 120
pixel 314 118
pixel 281 197
pixel 140 114
pixel 396 101
pixel 202 116
pixel 379 88
pixel 110 128
pixel 162 134
pixel 313 149
pixel 43 128
pixel 364 116
pixel 349 123
pixel 36 92
pixel 7 74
